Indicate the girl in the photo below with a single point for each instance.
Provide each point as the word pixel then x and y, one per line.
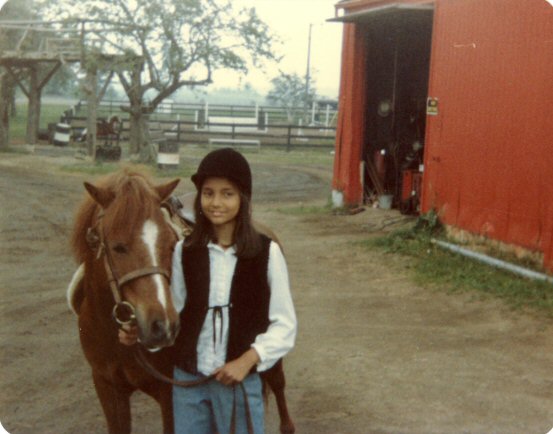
pixel 230 285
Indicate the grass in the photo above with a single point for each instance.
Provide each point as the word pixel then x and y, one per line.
pixel 49 113
pixel 14 150
pixel 305 210
pixel 312 158
pixel 435 267
pixel 103 168
pixel 92 168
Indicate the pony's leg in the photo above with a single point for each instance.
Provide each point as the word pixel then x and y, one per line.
pixel 163 394
pixel 115 403
pixel 277 382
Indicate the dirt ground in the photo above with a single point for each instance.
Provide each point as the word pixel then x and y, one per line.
pixel 375 353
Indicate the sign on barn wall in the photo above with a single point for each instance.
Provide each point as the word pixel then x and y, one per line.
pixel 432 105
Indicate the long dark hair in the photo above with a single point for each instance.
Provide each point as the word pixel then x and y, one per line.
pixel 245 237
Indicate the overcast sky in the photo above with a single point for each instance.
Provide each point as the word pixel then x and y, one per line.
pixel 290 19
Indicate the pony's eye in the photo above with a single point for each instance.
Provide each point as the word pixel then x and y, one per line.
pixel 120 248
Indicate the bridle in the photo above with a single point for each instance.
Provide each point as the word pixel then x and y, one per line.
pixel 123 311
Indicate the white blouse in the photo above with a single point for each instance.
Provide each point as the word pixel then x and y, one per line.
pixel 280 336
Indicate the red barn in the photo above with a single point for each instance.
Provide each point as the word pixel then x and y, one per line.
pixel 448 105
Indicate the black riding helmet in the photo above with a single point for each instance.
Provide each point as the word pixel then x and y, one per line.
pixel 225 163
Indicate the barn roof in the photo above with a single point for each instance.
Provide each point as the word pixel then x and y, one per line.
pixel 364 10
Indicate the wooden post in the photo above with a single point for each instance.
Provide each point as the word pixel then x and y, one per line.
pixel 90 90
pixel 33 112
pixel 289 141
pixel 4 112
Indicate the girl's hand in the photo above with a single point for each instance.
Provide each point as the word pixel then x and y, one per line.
pixel 235 371
pixel 128 335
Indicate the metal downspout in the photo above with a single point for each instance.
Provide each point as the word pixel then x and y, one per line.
pixel 493 261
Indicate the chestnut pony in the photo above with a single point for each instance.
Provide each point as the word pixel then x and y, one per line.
pixel 124 245
pixel 120 235
pixel 108 130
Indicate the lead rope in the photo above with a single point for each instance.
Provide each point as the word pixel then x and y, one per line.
pixel 143 362
pixel 249 423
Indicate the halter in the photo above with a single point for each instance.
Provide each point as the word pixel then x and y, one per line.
pixel 123 312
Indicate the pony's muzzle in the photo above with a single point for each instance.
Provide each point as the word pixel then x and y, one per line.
pixel 162 333
pixel 124 313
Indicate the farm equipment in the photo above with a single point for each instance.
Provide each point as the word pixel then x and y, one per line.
pixel 410 191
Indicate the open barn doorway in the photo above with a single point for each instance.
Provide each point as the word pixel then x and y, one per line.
pixel 397 73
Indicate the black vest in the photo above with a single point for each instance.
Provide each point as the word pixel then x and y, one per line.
pixel 248 304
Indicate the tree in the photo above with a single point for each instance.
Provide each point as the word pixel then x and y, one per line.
pixel 8 37
pixel 64 82
pixel 170 44
pixel 289 92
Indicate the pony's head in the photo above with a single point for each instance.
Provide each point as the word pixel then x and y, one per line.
pixel 130 244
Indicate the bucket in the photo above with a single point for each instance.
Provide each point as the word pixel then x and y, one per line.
pixel 168 156
pixel 385 201
pixel 61 134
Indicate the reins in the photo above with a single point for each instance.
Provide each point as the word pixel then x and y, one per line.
pixel 145 364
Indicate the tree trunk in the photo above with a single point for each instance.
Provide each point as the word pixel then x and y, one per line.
pixel 148 153
pixel 139 136
pixel 137 128
pixel 33 118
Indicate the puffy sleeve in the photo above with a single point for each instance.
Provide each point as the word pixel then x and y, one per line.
pixel 280 336
pixel 178 288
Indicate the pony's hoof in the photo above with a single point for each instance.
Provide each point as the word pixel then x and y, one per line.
pixel 287 429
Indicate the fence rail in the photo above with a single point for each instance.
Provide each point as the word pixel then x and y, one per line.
pixel 322 114
pixel 286 136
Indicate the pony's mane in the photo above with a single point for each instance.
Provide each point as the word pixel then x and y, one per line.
pixel 134 199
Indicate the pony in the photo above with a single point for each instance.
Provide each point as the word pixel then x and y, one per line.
pixel 122 241
pixel 123 237
pixel 106 130
pixel 109 130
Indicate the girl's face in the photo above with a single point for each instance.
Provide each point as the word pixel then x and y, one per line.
pixel 220 201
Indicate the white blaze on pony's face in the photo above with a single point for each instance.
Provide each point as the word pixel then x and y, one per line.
pixel 150 331
pixel 157 318
pixel 150 233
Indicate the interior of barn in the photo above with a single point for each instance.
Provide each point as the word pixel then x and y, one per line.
pixel 397 72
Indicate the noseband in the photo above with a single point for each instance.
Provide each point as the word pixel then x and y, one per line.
pixel 123 312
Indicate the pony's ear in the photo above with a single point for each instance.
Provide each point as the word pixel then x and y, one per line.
pixel 165 190
pixel 101 196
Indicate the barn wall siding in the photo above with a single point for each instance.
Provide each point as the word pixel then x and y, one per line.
pixel 489 152
pixel 350 130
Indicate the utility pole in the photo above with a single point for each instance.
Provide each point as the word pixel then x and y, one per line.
pixel 307 74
